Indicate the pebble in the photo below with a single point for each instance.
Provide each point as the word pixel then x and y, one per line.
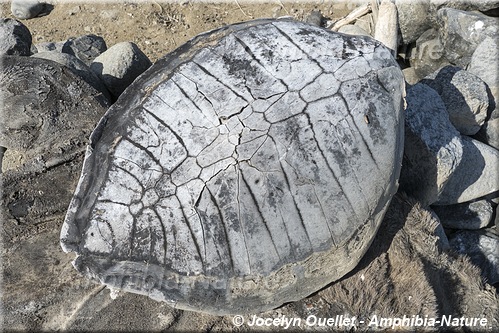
pixel 469 215
pixel 15 38
pixel 86 47
pixel 119 66
pixel 315 18
pixel 26 9
pixel 461 32
pixel 464 95
pixel 440 166
pixel 482 248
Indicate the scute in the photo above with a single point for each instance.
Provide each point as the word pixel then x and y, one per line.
pixel 239 172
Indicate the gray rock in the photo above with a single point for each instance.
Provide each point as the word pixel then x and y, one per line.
pixel 366 23
pixel 355 30
pixel 489 133
pixel 315 17
pixel 86 47
pixel 482 248
pixel 428 54
pixel 50 46
pixel 15 38
pixel 496 220
pixel 469 215
pixel 464 95
pixel 484 64
pixel 26 9
pixel 440 166
pixel 78 67
pixel 413 17
pixel 480 162
pixel 273 168
pixel 482 5
pixel 461 32
pixel 410 75
pixel 120 65
pixel 46 108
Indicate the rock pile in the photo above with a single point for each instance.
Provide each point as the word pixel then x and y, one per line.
pixel 449 53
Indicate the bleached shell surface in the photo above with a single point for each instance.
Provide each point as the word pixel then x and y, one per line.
pixel 248 168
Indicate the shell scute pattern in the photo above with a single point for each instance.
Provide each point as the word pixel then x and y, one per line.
pixel 248 158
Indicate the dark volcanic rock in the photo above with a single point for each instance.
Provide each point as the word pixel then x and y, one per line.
pixel 78 67
pixel 86 47
pixel 15 38
pixel 46 107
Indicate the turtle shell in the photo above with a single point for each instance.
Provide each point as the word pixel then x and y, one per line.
pixel 250 167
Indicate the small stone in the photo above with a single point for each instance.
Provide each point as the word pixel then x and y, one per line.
pixel 464 95
pixel 351 29
pixel 109 14
pixel 15 38
pixel 120 65
pixel 482 248
pixel 440 166
pixel 469 215
pixel 78 67
pixel 410 75
pixel 74 10
pixel 461 32
pixel 86 47
pixel 26 9
pixel 315 18
pixel 428 54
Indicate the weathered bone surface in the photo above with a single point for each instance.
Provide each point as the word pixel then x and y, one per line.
pixel 248 168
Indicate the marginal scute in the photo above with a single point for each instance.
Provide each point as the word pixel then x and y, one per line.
pixel 248 168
